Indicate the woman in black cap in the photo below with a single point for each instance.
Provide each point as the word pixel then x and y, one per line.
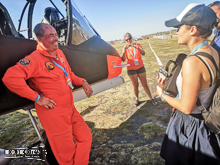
pixel 187 140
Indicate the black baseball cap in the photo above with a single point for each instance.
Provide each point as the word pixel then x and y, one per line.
pixel 194 15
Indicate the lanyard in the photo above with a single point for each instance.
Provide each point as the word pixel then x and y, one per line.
pixel 59 67
pixel 131 52
pixel 199 46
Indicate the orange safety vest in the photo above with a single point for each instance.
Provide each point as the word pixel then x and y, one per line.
pixel 131 59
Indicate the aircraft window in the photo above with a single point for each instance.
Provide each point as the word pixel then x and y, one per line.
pixel 52 17
pixel 81 30
pixel 45 12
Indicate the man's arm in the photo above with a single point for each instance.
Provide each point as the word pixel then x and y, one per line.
pixel 81 81
pixel 15 80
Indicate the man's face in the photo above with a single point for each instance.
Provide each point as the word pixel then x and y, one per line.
pixel 216 9
pixel 50 39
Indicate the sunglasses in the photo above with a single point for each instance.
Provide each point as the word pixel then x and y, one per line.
pixel 128 39
pixel 178 28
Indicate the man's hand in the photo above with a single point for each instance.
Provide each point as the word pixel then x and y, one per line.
pixel 46 102
pixel 87 88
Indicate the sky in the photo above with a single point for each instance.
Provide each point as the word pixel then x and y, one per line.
pixel 113 18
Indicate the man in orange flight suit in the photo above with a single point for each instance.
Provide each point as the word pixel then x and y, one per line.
pixel 51 79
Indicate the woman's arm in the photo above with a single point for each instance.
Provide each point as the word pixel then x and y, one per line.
pixel 141 51
pixel 139 48
pixel 124 53
pixel 190 85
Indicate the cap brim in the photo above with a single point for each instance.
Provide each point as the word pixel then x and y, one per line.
pixel 173 23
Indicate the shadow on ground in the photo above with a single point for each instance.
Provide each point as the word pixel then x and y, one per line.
pixel 136 141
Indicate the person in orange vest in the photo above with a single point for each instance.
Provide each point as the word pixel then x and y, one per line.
pixel 51 82
pixel 133 52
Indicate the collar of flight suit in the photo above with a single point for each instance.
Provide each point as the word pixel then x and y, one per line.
pixel 44 52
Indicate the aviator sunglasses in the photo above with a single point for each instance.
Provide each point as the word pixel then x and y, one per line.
pixel 128 39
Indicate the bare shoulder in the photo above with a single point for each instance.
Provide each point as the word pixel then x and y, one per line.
pixel 191 62
pixel 192 66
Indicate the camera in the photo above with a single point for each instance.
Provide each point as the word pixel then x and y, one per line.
pixel 162 73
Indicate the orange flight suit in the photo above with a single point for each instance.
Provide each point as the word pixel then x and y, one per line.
pixel 63 123
pixel 131 58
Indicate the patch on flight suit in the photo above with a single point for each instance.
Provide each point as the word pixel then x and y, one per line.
pixel 49 65
pixel 25 61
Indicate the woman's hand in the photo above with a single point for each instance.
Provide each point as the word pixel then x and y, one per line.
pixel 161 81
pixel 140 49
pixel 135 45
pixel 160 91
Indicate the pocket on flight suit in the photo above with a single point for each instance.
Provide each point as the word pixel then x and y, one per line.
pixel 64 144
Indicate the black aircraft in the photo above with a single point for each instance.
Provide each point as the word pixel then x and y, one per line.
pixel 89 56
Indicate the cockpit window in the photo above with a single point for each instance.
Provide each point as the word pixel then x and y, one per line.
pixel 81 31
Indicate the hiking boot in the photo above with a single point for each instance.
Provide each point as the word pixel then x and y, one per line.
pixel 137 102
pixel 154 102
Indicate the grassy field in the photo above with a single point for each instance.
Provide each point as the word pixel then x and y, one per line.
pixel 122 133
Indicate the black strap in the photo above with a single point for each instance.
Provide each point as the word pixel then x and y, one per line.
pixel 168 64
pixel 208 70
pixel 211 58
pixel 198 103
